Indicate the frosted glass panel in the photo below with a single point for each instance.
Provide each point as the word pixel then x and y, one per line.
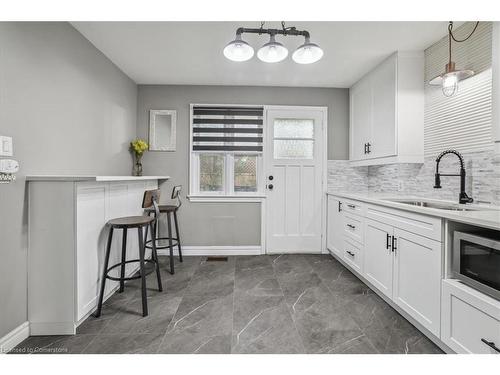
pixel 293 149
pixel 293 128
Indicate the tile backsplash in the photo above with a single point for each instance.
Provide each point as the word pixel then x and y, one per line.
pixel 482 183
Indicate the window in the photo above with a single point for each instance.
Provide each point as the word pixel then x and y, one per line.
pixel 226 150
pixel 293 139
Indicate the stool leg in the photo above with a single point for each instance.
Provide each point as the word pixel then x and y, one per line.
pixel 178 235
pixel 97 314
pixel 143 273
pixel 171 247
pixel 154 255
pixel 124 256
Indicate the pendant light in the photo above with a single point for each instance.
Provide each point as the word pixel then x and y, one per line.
pixel 238 50
pixel 307 53
pixel 451 76
pixel 272 51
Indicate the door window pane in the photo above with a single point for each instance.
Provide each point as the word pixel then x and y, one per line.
pixel 293 149
pixel 293 128
pixel 245 173
pixel 211 173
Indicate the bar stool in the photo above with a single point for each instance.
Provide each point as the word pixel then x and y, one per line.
pixel 172 241
pixel 150 200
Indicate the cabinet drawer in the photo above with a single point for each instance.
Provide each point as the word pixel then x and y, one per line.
pixel 469 319
pixel 354 227
pixel 353 207
pixel 353 254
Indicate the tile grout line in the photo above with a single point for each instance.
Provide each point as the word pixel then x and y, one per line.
pixel 180 302
pixel 232 310
pixel 288 308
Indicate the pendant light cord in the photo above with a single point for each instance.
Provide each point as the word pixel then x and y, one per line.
pixel 451 36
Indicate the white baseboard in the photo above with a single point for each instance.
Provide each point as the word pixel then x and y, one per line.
pixel 215 250
pixel 47 329
pixel 14 337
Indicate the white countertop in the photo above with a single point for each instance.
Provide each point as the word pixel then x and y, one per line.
pixel 92 178
pixel 486 216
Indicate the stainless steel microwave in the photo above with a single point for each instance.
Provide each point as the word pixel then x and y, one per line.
pixel 476 260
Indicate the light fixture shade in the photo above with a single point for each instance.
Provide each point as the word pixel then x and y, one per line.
pixel 450 78
pixel 238 50
pixel 272 51
pixel 307 53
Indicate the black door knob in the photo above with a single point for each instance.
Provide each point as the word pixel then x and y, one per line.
pixel 270 186
pixel 271 178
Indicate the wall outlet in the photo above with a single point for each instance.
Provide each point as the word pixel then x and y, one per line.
pixel 6 148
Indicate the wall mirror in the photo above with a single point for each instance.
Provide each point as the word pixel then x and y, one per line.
pixel 162 129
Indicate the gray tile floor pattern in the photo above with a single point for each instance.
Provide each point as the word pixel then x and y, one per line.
pixel 249 304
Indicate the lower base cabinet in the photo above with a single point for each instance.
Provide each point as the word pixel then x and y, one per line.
pixel 470 320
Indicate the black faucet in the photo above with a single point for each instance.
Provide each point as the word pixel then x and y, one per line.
pixel 463 198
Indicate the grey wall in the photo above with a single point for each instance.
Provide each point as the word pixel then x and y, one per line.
pixel 69 110
pixel 228 224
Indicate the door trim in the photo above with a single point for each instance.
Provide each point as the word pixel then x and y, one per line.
pixel 324 174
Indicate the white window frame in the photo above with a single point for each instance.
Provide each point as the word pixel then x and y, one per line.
pixel 228 194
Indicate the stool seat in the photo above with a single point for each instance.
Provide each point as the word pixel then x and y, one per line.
pixel 131 221
pixel 163 208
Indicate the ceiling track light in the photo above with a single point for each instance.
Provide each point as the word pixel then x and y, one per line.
pixel 273 51
pixel 451 76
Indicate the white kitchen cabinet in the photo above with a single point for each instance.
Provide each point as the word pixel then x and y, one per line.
pixel 417 278
pixel 378 257
pixel 67 237
pixel 335 226
pixel 387 112
pixel 470 320
pixel 360 118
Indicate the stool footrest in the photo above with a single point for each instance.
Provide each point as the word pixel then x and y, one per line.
pixel 175 242
pixel 151 261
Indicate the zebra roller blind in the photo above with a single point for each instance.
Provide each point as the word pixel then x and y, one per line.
pixel 227 128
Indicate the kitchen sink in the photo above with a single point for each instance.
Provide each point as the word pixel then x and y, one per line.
pixel 440 206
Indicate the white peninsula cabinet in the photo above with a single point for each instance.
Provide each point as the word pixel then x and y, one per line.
pixel 387 112
pixel 399 254
pixel 67 239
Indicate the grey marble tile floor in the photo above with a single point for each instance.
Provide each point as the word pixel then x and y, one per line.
pixel 249 304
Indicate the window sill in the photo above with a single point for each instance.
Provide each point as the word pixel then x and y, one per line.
pixel 226 198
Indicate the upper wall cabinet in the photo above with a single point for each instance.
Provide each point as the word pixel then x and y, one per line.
pixel 387 112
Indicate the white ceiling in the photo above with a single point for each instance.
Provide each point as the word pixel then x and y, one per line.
pixel 191 52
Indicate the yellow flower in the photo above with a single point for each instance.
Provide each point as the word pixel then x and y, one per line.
pixel 139 146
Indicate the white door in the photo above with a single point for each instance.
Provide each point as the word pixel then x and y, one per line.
pixel 294 174
pixel 418 258
pixel 335 226
pixel 378 258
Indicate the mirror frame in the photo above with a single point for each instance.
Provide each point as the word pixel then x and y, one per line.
pixel 153 142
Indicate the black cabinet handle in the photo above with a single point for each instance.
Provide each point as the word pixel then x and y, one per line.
pixel 350 253
pixel 368 145
pixel 340 206
pixel 351 206
pixel 365 148
pixel 271 178
pixel 270 186
pixel 491 344
pixel 351 226
pixel 394 244
pixel 388 241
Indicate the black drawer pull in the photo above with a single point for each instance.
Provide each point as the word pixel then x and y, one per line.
pixel 350 253
pixel 388 241
pixel 340 206
pixel 351 226
pixel 351 206
pixel 491 344
pixel 394 244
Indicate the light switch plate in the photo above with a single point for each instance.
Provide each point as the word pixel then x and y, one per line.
pixel 5 146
